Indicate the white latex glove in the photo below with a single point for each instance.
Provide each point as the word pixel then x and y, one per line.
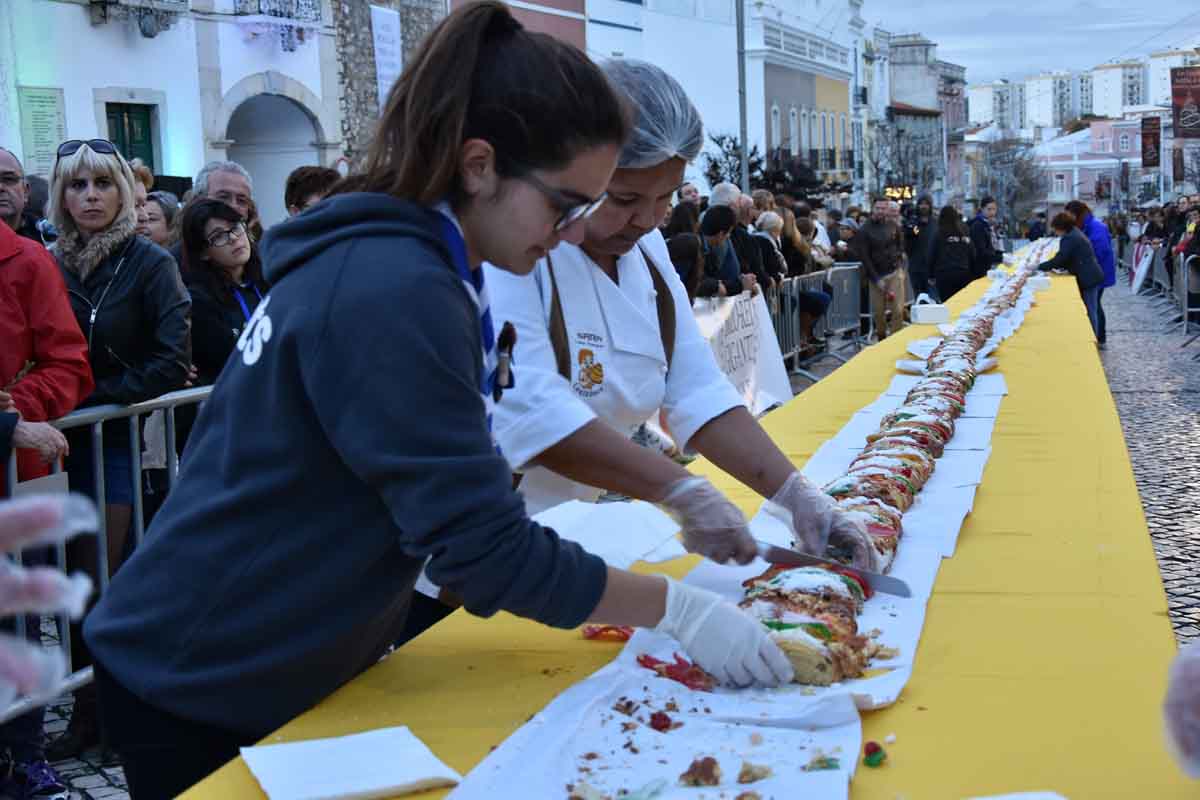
pixel 848 535
pixel 811 510
pixel 731 646
pixel 712 526
pixel 26 668
pixel 1181 709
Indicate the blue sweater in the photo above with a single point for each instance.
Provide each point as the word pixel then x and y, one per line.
pixel 344 443
pixel 1097 233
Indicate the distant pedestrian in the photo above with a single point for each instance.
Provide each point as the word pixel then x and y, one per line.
pixel 688 193
pixel 1037 227
pixel 921 233
pixel 685 218
pixel 161 208
pixel 1101 238
pixel 952 256
pixel 1075 255
pixel 307 186
pixel 985 238
pixel 880 247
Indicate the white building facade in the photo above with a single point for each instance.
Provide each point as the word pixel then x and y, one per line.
pixel 1115 86
pixel 798 78
pixel 1160 66
pixel 177 84
pixel 1051 100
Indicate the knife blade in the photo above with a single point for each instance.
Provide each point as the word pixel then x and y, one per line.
pixel 886 584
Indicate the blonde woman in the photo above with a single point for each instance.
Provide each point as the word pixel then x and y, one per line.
pixel 132 308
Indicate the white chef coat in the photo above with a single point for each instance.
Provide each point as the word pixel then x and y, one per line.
pixel 618 368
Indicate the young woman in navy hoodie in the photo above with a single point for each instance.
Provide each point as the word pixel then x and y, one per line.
pixel 348 440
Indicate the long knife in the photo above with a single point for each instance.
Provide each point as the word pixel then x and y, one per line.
pixel 886 584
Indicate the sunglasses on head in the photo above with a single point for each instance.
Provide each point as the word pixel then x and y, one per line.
pixel 71 146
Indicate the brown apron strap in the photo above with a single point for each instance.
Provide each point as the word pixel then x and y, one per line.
pixel 558 326
pixel 666 306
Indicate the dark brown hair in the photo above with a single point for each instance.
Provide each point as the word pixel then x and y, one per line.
pixel 1063 221
pixel 198 269
pixel 687 257
pixel 950 222
pixel 479 74
pixel 1079 210
pixel 684 219
pixel 305 181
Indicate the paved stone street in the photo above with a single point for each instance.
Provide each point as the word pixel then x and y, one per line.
pixel 1156 386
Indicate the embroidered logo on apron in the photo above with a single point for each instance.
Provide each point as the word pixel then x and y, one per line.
pixel 591 374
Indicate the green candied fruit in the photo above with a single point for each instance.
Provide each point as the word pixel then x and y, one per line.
pixel 819 630
pixel 821 763
pixel 776 625
pixel 855 589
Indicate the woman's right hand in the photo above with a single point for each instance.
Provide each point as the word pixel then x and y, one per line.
pixel 712 526
pixel 726 643
pixel 47 440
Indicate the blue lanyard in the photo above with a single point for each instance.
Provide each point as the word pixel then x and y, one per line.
pixel 241 302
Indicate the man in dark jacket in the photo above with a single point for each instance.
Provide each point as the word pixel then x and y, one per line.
pixel 985 239
pixel 919 238
pixel 747 246
pixel 1075 255
pixel 722 274
pixel 1037 228
pixel 879 245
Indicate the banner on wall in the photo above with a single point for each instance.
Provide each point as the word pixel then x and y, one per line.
pixel 389 50
pixel 1185 102
pixel 741 335
pixel 1151 142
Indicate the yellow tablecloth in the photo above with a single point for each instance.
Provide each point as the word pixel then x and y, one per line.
pixel 1044 655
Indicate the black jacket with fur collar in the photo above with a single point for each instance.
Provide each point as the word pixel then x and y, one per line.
pixel 135 313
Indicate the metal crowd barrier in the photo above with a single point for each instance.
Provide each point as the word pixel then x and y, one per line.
pixel 94 418
pixel 840 321
pixel 784 317
pixel 1188 285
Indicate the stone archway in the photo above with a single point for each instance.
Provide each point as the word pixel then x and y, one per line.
pixel 245 111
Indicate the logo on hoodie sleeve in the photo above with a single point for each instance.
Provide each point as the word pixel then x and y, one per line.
pixel 256 335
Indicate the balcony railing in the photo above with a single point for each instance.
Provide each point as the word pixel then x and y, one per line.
pixel 298 10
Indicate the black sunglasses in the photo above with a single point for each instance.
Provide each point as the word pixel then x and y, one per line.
pixel 71 146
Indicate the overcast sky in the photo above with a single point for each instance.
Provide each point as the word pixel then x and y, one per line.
pixel 1017 38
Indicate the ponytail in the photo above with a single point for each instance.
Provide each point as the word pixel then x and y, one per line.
pixel 480 75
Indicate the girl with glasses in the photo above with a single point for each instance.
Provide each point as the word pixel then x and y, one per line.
pixel 133 310
pixel 224 277
pixel 347 441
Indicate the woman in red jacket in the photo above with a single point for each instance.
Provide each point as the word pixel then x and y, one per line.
pixel 44 371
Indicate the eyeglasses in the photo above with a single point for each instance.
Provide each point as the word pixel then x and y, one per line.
pixel 71 146
pixel 571 211
pixel 224 237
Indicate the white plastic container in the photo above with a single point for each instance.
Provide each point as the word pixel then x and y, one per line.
pixel 1039 283
pixel 927 312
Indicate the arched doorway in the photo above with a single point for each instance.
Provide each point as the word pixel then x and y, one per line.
pixel 270 135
